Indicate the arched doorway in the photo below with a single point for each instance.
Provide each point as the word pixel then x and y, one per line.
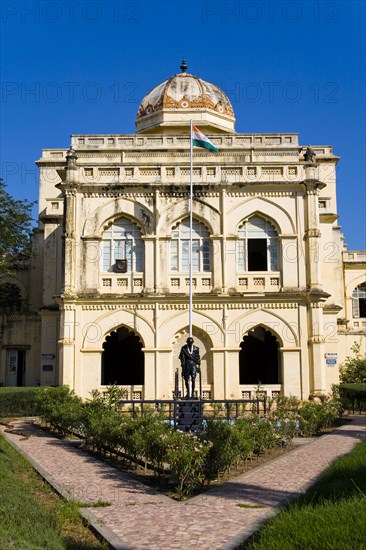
pixel 123 359
pixel 259 360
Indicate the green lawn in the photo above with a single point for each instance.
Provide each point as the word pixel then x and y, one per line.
pixel 32 516
pixel 330 516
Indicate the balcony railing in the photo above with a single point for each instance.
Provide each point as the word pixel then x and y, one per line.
pixel 354 256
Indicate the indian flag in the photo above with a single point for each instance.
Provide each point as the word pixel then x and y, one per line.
pixel 200 140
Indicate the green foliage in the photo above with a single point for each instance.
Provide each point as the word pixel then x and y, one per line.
pixel 226 447
pixel 331 514
pixel 16 402
pixel 186 454
pixel 60 407
pixel 263 434
pixel 10 298
pixel 313 416
pixel 353 396
pixel 15 225
pixel 32 516
pixel 20 513
pixel 192 459
pixel 353 370
pixel 101 420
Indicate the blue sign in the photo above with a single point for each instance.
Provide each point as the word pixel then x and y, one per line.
pixel 47 368
pixel 331 361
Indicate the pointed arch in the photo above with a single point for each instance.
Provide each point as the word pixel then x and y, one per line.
pixel 179 247
pixel 284 332
pixel 259 357
pixel 96 332
pixel 275 214
pixel 122 361
pixel 122 247
pixel 176 212
pixel 257 247
pixel 107 213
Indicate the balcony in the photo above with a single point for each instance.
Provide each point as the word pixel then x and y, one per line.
pixel 179 282
pixel 258 281
pixel 128 283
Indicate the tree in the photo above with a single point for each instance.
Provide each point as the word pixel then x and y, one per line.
pixel 15 226
pixel 353 370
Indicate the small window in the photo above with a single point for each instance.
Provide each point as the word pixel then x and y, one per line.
pixel 257 246
pixel 359 301
pixel 122 247
pixel 201 248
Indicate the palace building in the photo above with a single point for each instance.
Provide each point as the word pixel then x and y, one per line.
pixel 278 299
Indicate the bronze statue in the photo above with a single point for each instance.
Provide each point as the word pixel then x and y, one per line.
pixel 190 362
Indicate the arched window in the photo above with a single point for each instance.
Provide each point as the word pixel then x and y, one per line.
pixel 10 298
pixel 359 301
pixel 179 247
pixel 257 246
pixel 122 247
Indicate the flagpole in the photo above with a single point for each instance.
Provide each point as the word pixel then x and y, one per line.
pixel 190 234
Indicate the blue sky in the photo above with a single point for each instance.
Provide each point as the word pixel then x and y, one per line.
pixel 80 66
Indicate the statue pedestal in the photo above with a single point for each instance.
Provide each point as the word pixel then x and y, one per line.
pixel 189 415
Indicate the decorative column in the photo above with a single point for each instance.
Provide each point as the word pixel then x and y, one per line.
pixel 290 260
pixel 217 261
pixel 163 267
pixel 229 262
pixel 312 226
pixel 316 348
pixel 149 272
pixel 67 346
pixel 316 296
pixel 91 261
pixel 69 189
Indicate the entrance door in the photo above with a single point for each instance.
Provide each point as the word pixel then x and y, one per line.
pixel 15 368
pixel 259 358
pixel 123 359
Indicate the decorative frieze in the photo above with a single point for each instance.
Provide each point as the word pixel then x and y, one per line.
pixel 114 307
pixel 267 305
pixel 260 193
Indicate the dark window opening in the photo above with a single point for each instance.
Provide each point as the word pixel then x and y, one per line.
pixel 259 358
pixel 257 255
pixel 10 299
pixel 359 301
pixel 21 368
pixel 362 305
pixel 122 359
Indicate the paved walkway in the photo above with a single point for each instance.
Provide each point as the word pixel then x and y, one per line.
pixel 140 518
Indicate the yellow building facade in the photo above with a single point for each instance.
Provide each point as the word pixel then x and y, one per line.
pixel 277 299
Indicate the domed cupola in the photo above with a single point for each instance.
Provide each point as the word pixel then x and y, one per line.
pixel 171 105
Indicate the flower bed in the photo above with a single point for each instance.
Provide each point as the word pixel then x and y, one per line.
pixel 191 460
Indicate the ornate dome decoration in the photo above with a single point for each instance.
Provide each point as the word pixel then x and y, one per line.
pixel 169 103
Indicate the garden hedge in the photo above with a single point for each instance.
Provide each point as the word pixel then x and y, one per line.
pixel 353 394
pixel 18 402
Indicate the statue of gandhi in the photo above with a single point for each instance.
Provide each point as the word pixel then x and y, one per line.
pixel 190 362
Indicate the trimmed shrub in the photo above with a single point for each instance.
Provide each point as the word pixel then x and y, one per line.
pixel 315 416
pixel 61 408
pixel 353 396
pixel 16 402
pixel 186 454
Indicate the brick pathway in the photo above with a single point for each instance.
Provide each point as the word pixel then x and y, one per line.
pixel 140 518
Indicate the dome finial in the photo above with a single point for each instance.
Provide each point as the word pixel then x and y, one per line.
pixel 184 66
